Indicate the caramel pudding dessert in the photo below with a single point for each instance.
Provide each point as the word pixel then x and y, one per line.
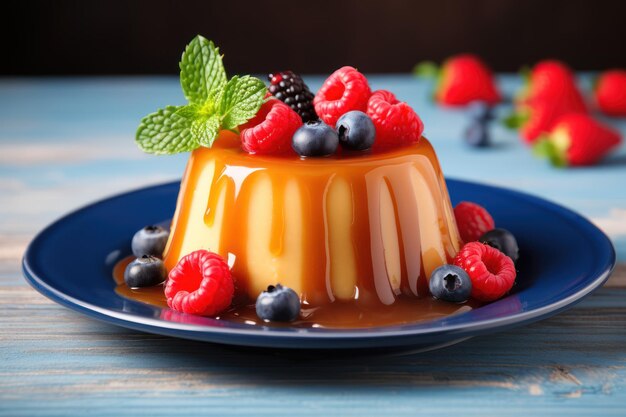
pixel 326 210
pixel 368 227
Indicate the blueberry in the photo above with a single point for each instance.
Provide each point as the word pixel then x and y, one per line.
pixel 150 240
pixel 356 131
pixel 278 303
pixel 480 111
pixel 146 271
pixel 503 240
pixel 315 138
pixel 450 283
pixel 477 134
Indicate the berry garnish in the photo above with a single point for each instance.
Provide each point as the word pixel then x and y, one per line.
pixel 145 271
pixel 278 303
pixel 396 122
pixel 610 92
pixel 200 284
pixel 464 79
pixel 356 131
pixel 150 240
pixel 315 138
pixel 503 240
pixel 576 140
pixel 477 134
pixel 450 283
pixel 346 89
pixel 492 272
pixel 271 130
pixel 472 220
pixel 289 88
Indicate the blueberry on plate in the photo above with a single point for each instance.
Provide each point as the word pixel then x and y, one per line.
pixel 477 134
pixel 146 271
pixel 503 240
pixel 356 131
pixel 450 283
pixel 278 303
pixel 315 138
pixel 480 111
pixel 150 240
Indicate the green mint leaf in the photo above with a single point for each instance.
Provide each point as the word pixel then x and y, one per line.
pixel 166 132
pixel 205 130
pixel 190 111
pixel 241 100
pixel 202 74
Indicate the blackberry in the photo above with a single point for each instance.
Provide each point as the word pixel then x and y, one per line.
pixel 289 88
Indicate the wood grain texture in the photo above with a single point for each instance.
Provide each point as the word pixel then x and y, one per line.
pixel 64 143
pixel 69 364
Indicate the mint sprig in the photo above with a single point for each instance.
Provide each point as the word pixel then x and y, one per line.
pixel 214 103
pixel 202 72
pixel 166 132
pixel 240 101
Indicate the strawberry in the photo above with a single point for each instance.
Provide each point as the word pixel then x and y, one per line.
pixel 463 79
pixel 550 93
pixel 576 140
pixel 542 114
pixel 610 92
pixel 549 80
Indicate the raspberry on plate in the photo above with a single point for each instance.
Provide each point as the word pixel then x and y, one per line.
pixel 345 90
pixel 492 272
pixel 200 284
pixel 396 122
pixel 271 130
pixel 473 220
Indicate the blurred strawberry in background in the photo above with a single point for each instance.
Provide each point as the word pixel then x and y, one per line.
pixel 550 92
pixel 610 93
pixel 577 140
pixel 461 80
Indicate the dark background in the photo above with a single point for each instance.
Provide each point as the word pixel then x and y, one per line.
pixel 147 37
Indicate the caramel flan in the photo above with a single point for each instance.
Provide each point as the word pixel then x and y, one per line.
pixel 367 227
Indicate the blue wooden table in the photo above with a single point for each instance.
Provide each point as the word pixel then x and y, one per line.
pixel 66 142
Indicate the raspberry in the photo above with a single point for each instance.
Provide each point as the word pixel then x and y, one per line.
pixel 271 130
pixel 200 284
pixel 472 220
pixel 395 121
pixel 345 90
pixel 289 88
pixel 492 272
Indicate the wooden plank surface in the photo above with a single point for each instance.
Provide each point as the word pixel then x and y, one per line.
pixel 64 143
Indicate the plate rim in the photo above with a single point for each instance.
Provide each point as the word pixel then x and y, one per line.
pixel 194 331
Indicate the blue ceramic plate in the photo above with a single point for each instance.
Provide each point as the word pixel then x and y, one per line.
pixel 563 258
